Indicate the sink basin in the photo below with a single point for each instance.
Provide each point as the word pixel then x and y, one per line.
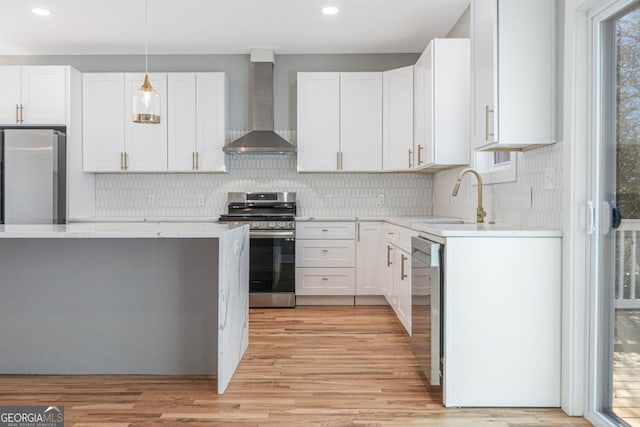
pixel 438 221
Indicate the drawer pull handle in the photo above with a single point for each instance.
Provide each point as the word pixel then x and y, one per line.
pixel 324 278
pixel 403 274
pixel 325 250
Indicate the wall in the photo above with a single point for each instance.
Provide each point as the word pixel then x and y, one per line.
pixel 128 195
pixel 319 194
pixel 236 67
pixel 525 201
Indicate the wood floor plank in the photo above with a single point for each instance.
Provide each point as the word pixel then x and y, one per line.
pixel 309 366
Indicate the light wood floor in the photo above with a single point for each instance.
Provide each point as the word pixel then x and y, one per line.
pixel 329 366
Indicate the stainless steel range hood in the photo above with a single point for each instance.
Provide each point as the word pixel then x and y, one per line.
pixel 262 139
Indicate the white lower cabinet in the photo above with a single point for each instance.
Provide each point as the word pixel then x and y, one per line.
pixel 325 281
pixel 502 321
pixel 398 274
pixel 370 258
pixel 325 266
pixel 325 253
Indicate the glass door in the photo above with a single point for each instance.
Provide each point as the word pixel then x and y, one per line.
pixel 616 178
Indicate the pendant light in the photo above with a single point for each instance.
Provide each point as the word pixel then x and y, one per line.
pixel 146 100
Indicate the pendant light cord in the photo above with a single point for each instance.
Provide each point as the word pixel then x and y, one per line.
pixel 146 37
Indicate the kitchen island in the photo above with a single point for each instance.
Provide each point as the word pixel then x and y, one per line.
pixel 124 298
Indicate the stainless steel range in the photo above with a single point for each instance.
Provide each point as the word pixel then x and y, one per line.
pixel 272 269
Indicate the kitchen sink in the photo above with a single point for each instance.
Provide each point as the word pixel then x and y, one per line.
pixel 438 221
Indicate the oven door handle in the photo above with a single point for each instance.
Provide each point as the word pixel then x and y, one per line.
pixel 271 234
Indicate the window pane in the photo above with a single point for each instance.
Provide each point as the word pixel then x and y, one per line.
pixel 500 157
pixel 628 114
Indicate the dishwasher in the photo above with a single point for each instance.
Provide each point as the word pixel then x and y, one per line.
pixel 427 281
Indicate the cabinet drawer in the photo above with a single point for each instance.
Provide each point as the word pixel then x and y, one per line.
pixel 325 230
pixel 400 236
pixel 325 281
pixel 325 253
pixel 404 238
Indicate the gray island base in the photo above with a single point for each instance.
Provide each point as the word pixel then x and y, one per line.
pixel 124 298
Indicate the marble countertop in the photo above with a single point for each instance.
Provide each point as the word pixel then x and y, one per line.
pixel 106 230
pixel 429 225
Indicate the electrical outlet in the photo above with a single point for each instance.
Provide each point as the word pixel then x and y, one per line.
pixel 151 200
pixel 380 199
pixel 201 200
pixel 550 179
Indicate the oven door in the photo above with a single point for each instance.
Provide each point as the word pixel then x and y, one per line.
pixel 272 269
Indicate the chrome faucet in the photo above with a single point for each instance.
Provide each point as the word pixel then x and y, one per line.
pixel 480 213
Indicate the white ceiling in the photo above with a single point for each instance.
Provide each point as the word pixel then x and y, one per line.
pixel 223 26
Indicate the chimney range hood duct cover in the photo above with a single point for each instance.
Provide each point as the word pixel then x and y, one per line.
pixel 262 139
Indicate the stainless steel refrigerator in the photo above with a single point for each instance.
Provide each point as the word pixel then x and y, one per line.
pixel 33 178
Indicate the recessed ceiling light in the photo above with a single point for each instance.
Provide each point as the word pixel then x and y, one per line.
pixel 330 10
pixel 40 11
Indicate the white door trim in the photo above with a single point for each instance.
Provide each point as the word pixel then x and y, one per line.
pixel 579 299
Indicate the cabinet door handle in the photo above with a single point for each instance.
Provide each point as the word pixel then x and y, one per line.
pixel 388 256
pixel 420 148
pixel 403 274
pixel 21 113
pixel 487 134
pixel 358 232
pixel 17 113
pixel 126 161
pixel 121 161
pixel 410 153
pixel 197 160
pixel 193 160
pixel 337 160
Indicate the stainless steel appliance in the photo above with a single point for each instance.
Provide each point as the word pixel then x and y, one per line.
pixel 33 163
pixel 427 292
pixel 262 139
pixel 272 269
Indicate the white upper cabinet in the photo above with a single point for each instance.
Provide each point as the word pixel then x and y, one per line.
pixel 318 122
pixel 397 119
pixel 33 95
pixel 514 49
pixel 361 122
pixel 212 121
pixel 181 121
pixel 339 122
pixel 441 126
pixel 146 144
pixel 197 122
pixel 103 122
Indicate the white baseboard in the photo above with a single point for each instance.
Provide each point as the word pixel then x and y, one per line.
pixel 325 300
pixel 371 300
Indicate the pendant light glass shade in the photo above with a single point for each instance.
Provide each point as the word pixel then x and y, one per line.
pixel 146 100
pixel 146 104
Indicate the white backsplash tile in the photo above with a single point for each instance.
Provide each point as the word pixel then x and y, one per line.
pixel 508 202
pixel 319 194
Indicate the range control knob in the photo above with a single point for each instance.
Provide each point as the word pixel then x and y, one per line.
pixel 281 225
pixel 255 225
pixel 272 225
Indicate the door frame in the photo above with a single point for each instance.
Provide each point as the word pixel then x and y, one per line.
pixel 581 301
